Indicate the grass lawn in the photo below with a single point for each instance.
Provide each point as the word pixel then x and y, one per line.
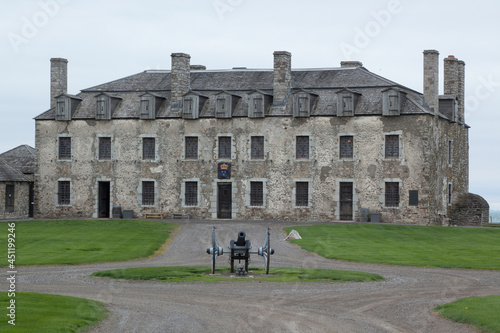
pixel 481 312
pixel 186 274
pixel 50 313
pixel 469 248
pixel 84 241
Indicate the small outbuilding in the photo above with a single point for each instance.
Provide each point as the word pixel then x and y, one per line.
pixel 469 209
pixel 17 168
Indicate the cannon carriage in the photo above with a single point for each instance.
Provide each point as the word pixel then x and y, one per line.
pixel 240 250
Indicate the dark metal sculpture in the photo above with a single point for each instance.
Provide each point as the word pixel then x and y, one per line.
pixel 241 250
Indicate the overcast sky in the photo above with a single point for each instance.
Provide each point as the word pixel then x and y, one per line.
pixel 108 40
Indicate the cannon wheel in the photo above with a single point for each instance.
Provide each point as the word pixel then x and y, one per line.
pixel 215 251
pixel 267 251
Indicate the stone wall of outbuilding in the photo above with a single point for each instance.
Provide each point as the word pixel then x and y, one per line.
pixel 469 209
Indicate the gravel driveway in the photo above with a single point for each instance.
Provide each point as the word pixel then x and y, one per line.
pixel 403 303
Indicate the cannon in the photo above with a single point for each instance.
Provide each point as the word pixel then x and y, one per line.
pixel 240 249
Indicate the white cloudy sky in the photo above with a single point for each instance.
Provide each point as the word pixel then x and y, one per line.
pixel 107 40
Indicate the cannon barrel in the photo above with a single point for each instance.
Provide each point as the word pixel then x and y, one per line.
pixel 241 239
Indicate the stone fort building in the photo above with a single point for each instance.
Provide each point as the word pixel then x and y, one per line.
pixel 277 144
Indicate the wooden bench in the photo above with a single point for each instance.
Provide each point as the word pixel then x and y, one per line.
pixel 180 216
pixel 153 215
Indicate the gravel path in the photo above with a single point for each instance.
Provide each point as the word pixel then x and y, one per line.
pixel 403 303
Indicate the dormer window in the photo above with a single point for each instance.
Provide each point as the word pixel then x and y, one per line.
pixel 192 105
pixel 66 106
pixel 61 110
pixel 448 106
pixel 225 104
pixel 150 105
pixel 347 104
pixel 102 108
pixel 188 108
pixel 258 102
pixel 145 110
pixel 303 102
pixel 347 101
pixel 105 106
pixel 257 106
pixel 392 101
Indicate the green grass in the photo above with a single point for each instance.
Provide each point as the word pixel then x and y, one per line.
pixel 188 274
pixel 85 241
pixel 481 312
pixel 50 313
pixel 468 248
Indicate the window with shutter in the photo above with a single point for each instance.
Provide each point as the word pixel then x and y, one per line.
pixel 145 111
pixel 347 104
pixel 101 112
pixel 303 106
pixel 394 103
pixel 221 107
pixel 258 107
pixel 61 110
pixel 188 106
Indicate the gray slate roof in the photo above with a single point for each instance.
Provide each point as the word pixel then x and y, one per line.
pixel 21 158
pixel 323 82
pixel 10 174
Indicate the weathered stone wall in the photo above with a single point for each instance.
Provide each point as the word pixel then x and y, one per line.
pixel 469 209
pixel 21 201
pixel 420 166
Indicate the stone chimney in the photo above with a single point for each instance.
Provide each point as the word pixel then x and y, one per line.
pixel 451 76
pixel 180 76
pixel 350 64
pixel 431 79
pixel 58 79
pixel 282 77
pixel 461 91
